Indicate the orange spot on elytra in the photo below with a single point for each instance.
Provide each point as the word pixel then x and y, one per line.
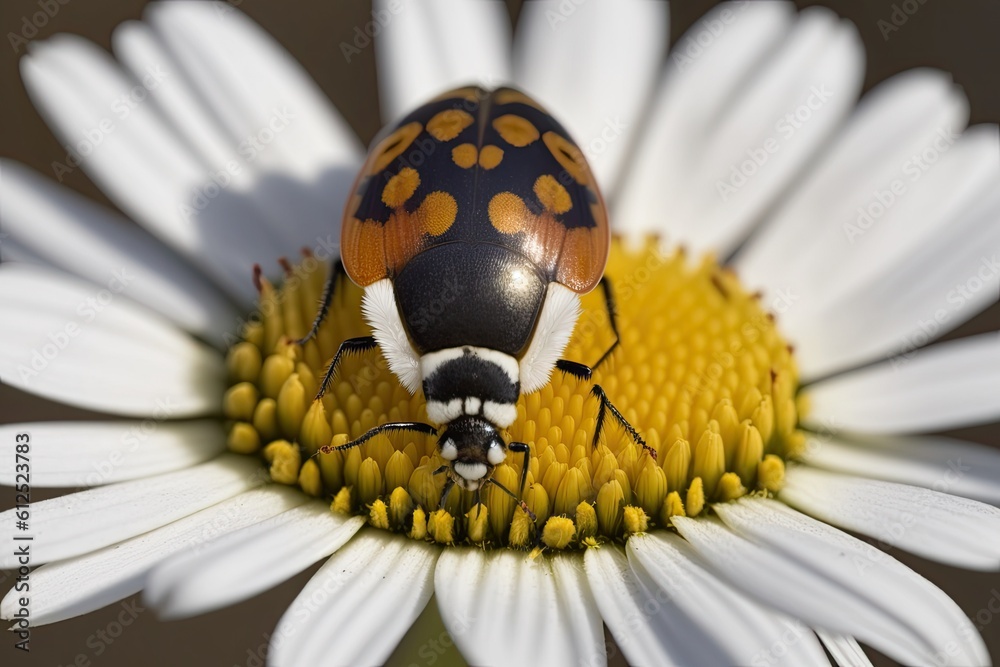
pixel 490 156
pixel 448 124
pixel 568 155
pixel 464 155
pixel 400 187
pixel 552 194
pixel 393 146
pixel 508 213
pixel 437 212
pixel 515 130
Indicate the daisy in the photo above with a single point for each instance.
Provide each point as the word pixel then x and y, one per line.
pixel 777 364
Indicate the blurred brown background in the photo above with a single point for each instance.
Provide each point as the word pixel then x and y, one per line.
pixel 958 36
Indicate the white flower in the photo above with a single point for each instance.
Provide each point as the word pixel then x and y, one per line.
pixel 870 226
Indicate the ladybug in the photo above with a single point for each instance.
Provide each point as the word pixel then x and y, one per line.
pixel 473 227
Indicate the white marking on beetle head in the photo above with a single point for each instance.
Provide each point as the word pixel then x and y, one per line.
pixel 495 454
pixel 468 484
pixel 449 452
pixel 471 471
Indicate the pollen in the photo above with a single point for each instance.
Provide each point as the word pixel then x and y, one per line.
pixel 701 371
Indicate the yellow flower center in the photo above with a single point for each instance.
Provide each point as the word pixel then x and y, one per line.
pixel 701 372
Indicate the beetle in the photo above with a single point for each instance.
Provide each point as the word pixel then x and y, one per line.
pixel 473 226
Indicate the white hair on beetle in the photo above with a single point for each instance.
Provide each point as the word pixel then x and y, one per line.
pixel 552 333
pixel 379 309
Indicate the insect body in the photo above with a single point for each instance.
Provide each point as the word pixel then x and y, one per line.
pixel 473 226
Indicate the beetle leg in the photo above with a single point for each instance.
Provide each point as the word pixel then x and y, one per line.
pixel 336 271
pixel 391 427
pixel 349 346
pixel 523 505
pixel 523 448
pixel 608 406
pixel 444 492
pixel 575 368
pixel 609 303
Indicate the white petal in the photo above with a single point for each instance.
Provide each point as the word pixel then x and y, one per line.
pixel 247 562
pixel 78 454
pixel 943 464
pixel 83 584
pixel 299 155
pixel 833 581
pixel 425 47
pixel 72 342
pixel 223 156
pixel 645 625
pixel 943 386
pixel 593 66
pixel 748 632
pixel 359 605
pixel 926 265
pixel 83 238
pixel 138 161
pixel 13 251
pixel 79 523
pixel 945 528
pixel 752 88
pixel 542 607
pixel 845 650
pixel 898 119
pixel 261 76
